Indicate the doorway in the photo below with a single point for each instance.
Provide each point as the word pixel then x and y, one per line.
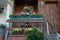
pixel 19 5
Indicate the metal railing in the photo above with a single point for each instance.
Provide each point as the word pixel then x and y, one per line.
pixel 54 29
pixel 6 35
pixel 48 37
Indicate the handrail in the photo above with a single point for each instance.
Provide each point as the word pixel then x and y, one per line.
pixel 53 28
pixel 6 35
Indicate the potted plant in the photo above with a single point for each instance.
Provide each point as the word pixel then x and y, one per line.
pixel 17 31
pixel 26 9
pixel 35 34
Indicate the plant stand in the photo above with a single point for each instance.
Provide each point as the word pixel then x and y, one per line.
pixel 42 26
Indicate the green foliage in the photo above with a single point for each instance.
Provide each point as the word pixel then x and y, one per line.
pixel 37 15
pixel 12 15
pixel 35 35
pixel 2 26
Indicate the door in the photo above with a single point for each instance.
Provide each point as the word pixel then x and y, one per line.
pixel 51 11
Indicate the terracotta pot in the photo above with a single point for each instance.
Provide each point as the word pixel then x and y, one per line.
pixel 1 37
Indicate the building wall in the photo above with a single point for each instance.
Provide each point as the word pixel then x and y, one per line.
pixel 3 16
pixel 48 8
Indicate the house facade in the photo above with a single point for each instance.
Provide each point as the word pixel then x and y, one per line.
pixel 50 9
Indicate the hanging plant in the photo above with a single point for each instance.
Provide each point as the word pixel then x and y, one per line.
pixel 26 9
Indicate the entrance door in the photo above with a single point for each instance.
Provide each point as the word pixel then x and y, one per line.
pixel 52 15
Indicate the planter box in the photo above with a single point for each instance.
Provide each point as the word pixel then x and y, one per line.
pixel 1 37
pixel 37 18
pixel 14 17
pixel 26 17
pixel 16 37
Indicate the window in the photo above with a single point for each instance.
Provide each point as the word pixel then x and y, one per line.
pixel 1 10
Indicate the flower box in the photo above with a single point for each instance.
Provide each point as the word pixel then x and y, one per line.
pixel 25 17
pixel 37 17
pixel 14 17
pixel 17 31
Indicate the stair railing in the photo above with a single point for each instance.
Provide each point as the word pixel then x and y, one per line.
pixel 54 29
pixel 6 35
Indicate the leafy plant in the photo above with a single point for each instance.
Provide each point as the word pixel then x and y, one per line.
pixel 26 9
pixel 35 34
pixel 2 26
pixel 12 15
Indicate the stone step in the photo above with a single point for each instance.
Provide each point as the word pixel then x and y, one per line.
pixel 51 37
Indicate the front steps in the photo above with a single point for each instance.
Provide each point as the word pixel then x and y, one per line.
pixel 52 37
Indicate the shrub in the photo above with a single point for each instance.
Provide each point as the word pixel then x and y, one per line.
pixel 35 34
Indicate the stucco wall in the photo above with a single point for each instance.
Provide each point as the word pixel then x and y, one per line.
pixel 3 16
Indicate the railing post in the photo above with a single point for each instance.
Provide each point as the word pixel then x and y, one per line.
pixel 6 35
pixel 57 38
pixel 47 28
